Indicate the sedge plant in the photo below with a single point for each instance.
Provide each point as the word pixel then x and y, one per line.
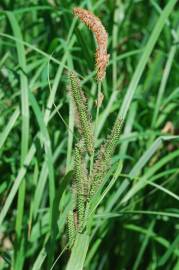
pixel 68 198
pixel 91 165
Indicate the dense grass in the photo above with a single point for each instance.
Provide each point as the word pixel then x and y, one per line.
pixel 134 220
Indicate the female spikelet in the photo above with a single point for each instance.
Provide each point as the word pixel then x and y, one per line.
pixel 83 115
pixel 106 152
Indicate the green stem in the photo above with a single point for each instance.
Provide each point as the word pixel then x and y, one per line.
pixel 95 126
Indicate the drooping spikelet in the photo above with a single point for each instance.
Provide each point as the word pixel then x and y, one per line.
pixel 101 35
pixel 81 181
pixel 83 115
pixel 106 151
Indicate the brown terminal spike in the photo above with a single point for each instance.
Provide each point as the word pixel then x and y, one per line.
pixel 101 35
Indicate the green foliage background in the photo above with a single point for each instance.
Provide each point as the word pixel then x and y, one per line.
pixel 136 222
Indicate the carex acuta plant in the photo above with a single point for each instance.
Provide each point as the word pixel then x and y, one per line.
pixel 86 180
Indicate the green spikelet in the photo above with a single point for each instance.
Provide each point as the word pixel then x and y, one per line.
pixel 106 151
pixel 83 115
pixel 113 139
pixel 71 228
pixel 81 181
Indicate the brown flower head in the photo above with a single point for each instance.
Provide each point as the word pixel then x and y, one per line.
pixel 101 35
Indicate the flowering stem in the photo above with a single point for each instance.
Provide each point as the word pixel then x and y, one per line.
pixel 98 106
pixel 96 123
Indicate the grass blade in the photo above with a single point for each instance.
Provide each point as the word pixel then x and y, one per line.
pixel 9 127
pixel 17 183
pixel 79 252
pixel 145 57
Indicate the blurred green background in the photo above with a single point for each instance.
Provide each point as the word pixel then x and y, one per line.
pixel 136 226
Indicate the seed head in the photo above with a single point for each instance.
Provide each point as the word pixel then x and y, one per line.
pixel 101 35
pixel 82 113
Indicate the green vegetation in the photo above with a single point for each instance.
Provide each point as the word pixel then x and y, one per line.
pixel 77 190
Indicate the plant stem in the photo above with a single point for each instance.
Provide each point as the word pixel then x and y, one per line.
pixel 96 123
